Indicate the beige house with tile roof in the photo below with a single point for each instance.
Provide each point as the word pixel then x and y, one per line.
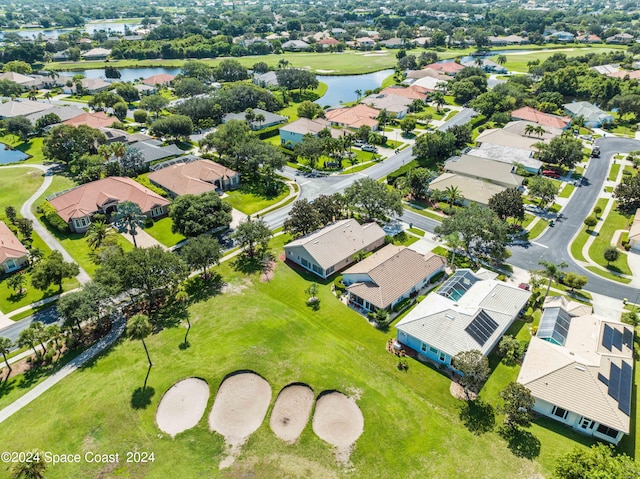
pixel 579 369
pixel 13 254
pixel 354 117
pixel 194 176
pixel 390 275
pixel 472 189
pixel 495 172
pixel 78 205
pixel 634 232
pixel 331 249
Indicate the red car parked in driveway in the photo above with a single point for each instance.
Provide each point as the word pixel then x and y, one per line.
pixel 551 174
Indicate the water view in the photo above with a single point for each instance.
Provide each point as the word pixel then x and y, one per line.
pixel 127 74
pixel 9 155
pixel 342 88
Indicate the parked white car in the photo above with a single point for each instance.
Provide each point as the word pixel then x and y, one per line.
pixel 370 148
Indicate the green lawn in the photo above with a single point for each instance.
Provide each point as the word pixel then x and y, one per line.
pixel 17 185
pixel 421 210
pixel 608 275
pixel 161 230
pixel 567 190
pixel 613 173
pixel 249 200
pixel 291 110
pixel 613 222
pixel 537 229
pixel 268 328
pixel 417 231
pixel 516 62
pixel 582 237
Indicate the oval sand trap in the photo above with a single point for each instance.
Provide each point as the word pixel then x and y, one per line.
pixel 182 406
pixel 338 420
pixel 240 406
pixel 291 412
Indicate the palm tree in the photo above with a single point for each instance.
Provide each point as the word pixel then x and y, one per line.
pixel 54 333
pixel 97 234
pixel 501 59
pixel 28 339
pixel 32 469
pixel 529 129
pixel 358 93
pixel 453 194
pixel 249 116
pixel 182 298
pixel 478 62
pixel 453 242
pixel 551 271
pixel 105 151
pixel 5 347
pixel 128 219
pixel 437 97
pixel 539 131
pixel 139 327
pixel 47 96
pixel 33 95
pixel 41 334
pixel 260 119
pixel 383 118
pixel 283 63
pixel 118 149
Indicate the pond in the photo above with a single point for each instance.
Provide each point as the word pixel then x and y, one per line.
pixel 342 88
pixel 127 74
pixel 90 28
pixel 9 155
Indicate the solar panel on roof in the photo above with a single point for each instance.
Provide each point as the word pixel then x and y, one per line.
pixel 607 337
pixel 481 328
pixel 626 380
pixel 614 382
pixel 628 338
pixel 617 339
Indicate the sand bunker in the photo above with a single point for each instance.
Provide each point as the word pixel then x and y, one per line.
pixel 291 412
pixel 338 421
pixel 238 410
pixel 182 406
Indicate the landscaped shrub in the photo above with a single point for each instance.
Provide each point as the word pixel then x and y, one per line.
pixel 405 303
pixel 140 116
pixel 436 277
pixel 148 223
pixel 52 217
pixel 269 132
pixel 339 285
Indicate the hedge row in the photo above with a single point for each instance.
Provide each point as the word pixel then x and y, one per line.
pixel 52 216
pixel 403 170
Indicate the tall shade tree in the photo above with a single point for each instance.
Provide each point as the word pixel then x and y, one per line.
pixel 33 469
pixel 195 215
pixel 518 403
pixel 154 103
pixel 415 183
pixel 303 219
pixel 474 368
pixel 508 204
pixel 552 271
pixel 373 200
pixel 542 188
pixel 52 270
pixel 611 254
pixel 128 219
pixel 5 348
pixel 201 252
pixel 252 235
pixel 599 461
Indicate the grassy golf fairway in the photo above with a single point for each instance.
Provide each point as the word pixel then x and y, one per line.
pixel 412 425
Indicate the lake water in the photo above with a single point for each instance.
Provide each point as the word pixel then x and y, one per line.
pixel 342 88
pixel 8 155
pixel 90 28
pixel 127 74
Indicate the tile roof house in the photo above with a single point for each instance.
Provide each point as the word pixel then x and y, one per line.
pixel 579 369
pixel 266 79
pixel 366 43
pixel 396 105
pixel 427 72
pixel 449 68
pixel 429 83
pixel 13 254
pixel 634 232
pixel 194 176
pixel 620 38
pixel 593 116
pixel 519 127
pixel 295 45
pixel 469 311
pixel 270 119
pixel 390 275
pixel 508 155
pixel 495 172
pixel 631 74
pixel 331 249
pixel 293 133
pixel 472 189
pixel 412 92
pixel 152 150
pixel 328 42
pixel 507 40
pixel 162 79
pixel 114 135
pixel 588 38
pixel 497 136
pixel 22 108
pixel 26 81
pixel 544 119
pixel 91 85
pixel 77 205
pixel 96 54
pixel 95 120
pixel 354 117
pixel 64 112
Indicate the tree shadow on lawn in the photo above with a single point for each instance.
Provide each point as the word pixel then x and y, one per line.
pixel 477 416
pixel 253 264
pixel 141 397
pixel 520 442
pixel 7 386
pixel 200 288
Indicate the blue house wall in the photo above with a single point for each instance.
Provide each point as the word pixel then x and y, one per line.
pixel 424 348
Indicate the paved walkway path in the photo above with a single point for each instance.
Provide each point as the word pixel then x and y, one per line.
pixel 116 330
pixel 144 240
pixel 43 232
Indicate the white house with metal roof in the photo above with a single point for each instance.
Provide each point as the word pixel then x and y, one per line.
pixel 390 275
pixel 579 369
pixel 594 117
pixel 332 248
pixel 469 311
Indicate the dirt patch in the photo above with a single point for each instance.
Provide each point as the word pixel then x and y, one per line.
pixel 267 272
pixel 457 391
pixel 235 287
pixel 238 410
pixel 291 412
pixel 338 420
pixel 182 406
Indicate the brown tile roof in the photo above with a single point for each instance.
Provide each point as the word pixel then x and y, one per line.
pixel 448 67
pixel 354 117
pixel 86 199
pixel 191 178
pixel 412 92
pixel 10 246
pixel 633 75
pixel 94 120
pixel 328 41
pixel 536 116
pixel 394 271
pixel 160 79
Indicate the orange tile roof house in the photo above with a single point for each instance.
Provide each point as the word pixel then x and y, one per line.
pixel 412 92
pixel 13 255
pixel 78 205
pixel 160 79
pixel 450 68
pixel 354 117
pixel 193 176
pixel 544 119
pixel 95 120
pixel 390 275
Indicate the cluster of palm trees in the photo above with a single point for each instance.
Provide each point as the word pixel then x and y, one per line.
pixel 537 130
pixel 250 116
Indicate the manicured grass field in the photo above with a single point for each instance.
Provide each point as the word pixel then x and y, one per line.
pixel 416 208
pixel 267 328
pixel 567 190
pixel 538 229
pixel 248 201
pixel 613 173
pixel 161 230
pixel 613 222
pixel 582 237
pixel 518 62
pixel 608 275
pixel 17 185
